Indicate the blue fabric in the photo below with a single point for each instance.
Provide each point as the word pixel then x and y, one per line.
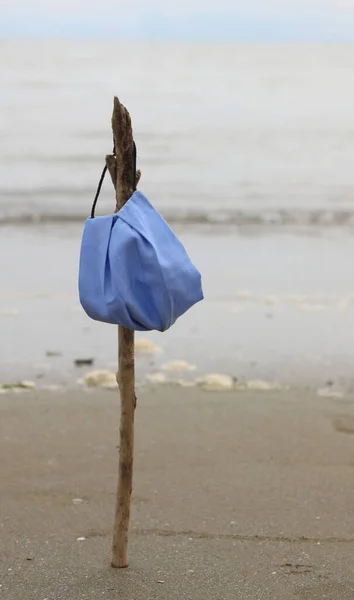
pixel 134 271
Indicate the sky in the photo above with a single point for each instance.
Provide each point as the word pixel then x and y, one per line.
pixel 302 20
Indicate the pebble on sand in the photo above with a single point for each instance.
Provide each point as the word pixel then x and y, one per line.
pixel 84 362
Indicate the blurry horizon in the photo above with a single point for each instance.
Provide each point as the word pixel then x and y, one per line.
pixel 223 20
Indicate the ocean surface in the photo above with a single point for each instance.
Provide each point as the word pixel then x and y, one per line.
pixel 240 134
pixel 246 150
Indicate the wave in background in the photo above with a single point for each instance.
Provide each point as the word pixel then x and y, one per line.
pixel 236 134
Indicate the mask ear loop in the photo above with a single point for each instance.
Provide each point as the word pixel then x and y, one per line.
pixel 134 166
pixel 103 176
pixel 98 192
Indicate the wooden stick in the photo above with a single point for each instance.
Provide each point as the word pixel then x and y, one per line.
pixel 120 168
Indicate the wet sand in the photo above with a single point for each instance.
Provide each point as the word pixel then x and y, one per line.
pixel 278 306
pixel 236 495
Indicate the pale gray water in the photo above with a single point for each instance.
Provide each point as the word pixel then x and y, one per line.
pixel 245 135
pixel 242 133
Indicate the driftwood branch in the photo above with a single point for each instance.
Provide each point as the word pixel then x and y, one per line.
pixel 120 167
pixel 111 163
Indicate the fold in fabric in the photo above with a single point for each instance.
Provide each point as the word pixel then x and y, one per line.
pixel 134 271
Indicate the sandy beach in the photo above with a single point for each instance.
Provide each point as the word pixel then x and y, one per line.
pixel 242 493
pixel 236 495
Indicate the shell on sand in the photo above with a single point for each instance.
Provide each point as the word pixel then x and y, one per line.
pixel 178 365
pixel 216 382
pixel 145 346
pixel 103 379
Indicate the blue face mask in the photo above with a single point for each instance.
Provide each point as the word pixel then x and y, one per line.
pixel 134 271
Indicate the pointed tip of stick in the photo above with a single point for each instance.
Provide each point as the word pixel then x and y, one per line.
pixel 119 108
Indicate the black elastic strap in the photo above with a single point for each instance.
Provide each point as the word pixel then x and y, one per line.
pixel 98 192
pixel 134 166
pixel 103 176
